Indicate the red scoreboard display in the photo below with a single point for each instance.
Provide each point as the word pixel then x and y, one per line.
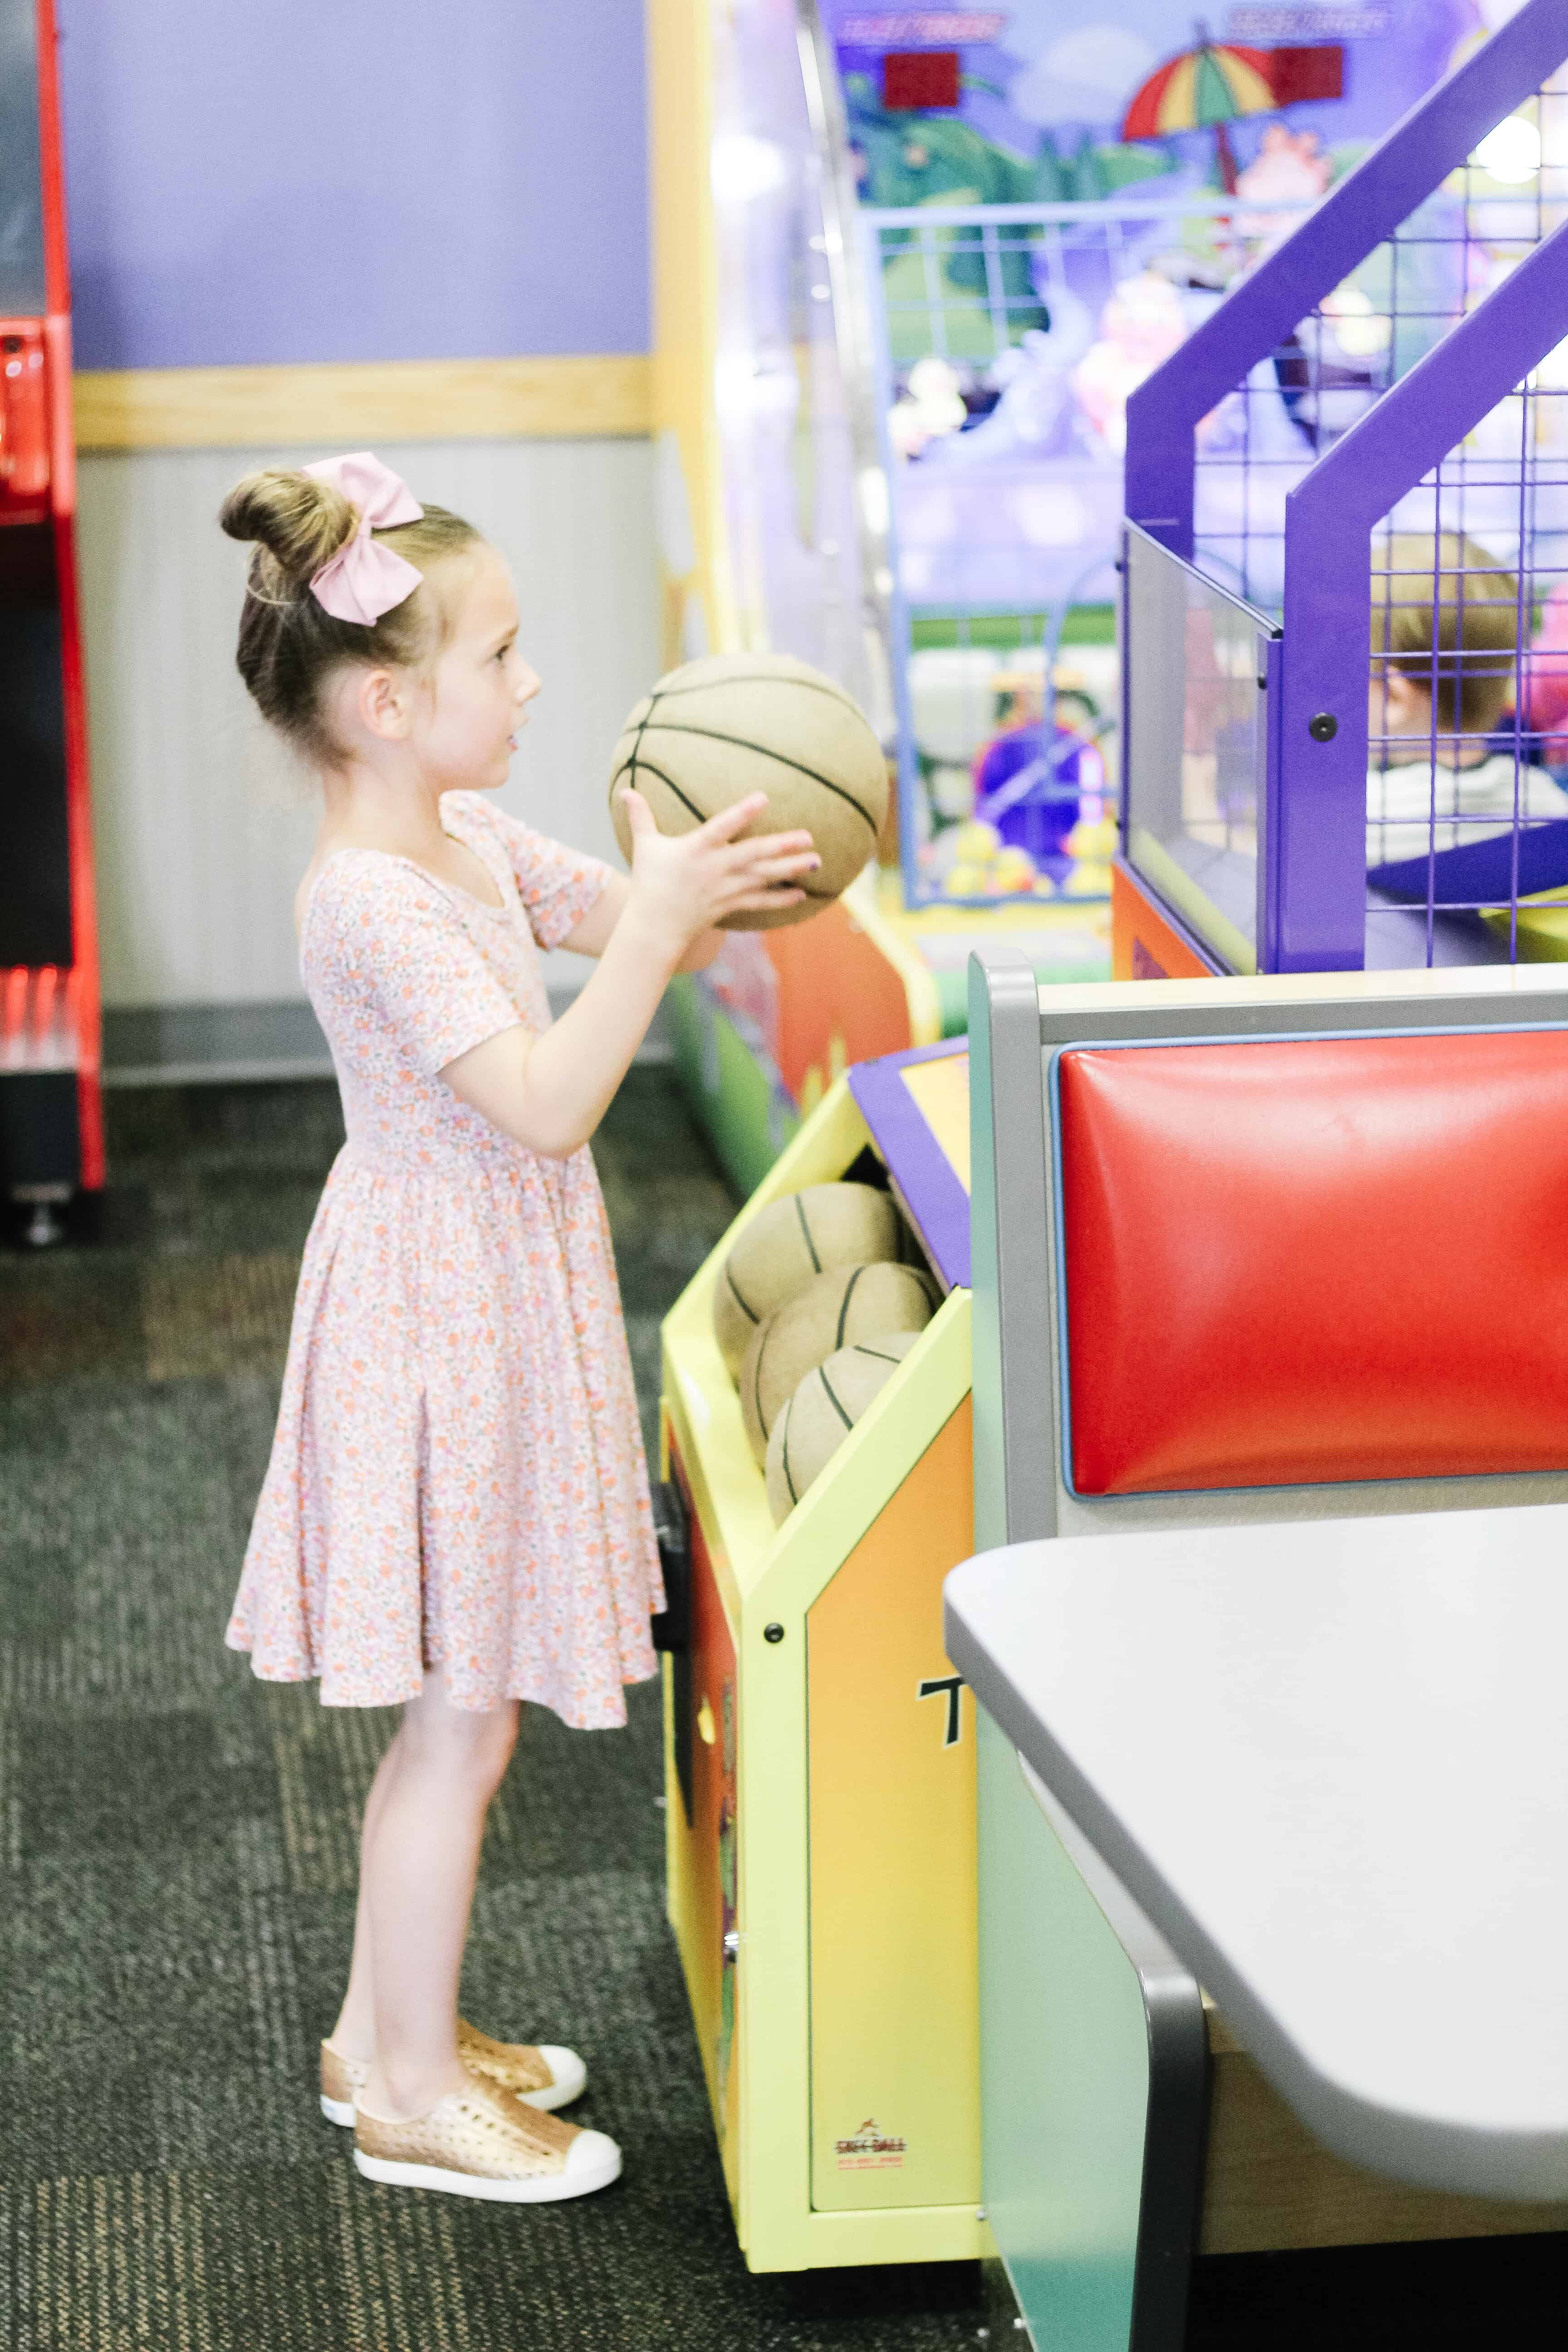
pixel 51 1109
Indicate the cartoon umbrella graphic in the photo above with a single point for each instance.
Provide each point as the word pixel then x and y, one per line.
pixel 1205 88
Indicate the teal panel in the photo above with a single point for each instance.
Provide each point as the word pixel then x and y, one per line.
pixel 953 987
pixel 953 997
pixel 1064 2074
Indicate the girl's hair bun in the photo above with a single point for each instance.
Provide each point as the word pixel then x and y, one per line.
pixel 290 645
pixel 299 521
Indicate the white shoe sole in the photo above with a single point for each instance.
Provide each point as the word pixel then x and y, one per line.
pixel 559 2094
pixel 541 2188
pixel 569 2083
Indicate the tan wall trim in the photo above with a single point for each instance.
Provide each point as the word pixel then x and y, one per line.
pixel 392 400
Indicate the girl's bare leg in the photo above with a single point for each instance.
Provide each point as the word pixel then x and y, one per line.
pixel 353 2035
pixel 421 1855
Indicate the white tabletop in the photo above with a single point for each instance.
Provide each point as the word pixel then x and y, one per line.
pixel 1329 1760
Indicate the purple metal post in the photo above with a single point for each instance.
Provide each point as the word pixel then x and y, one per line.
pixel 1369 204
pixel 1320 853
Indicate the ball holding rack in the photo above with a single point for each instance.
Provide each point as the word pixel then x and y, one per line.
pixel 819 1752
pixel 51 1112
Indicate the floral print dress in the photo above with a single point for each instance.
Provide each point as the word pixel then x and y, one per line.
pixel 457 1475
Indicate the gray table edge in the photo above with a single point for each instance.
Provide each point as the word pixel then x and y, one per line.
pixel 1425 2150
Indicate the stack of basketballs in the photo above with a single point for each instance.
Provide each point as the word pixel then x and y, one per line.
pixel 813 1313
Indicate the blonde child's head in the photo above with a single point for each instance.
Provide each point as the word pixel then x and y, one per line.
pixel 1445 636
pixel 290 647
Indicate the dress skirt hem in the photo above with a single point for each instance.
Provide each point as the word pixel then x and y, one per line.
pixel 533 1695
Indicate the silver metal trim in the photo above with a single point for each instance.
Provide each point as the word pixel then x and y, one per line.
pixel 1014 1323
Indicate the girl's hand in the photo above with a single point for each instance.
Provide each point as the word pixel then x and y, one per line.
pixel 686 883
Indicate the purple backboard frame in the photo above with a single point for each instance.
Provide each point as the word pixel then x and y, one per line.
pixel 1369 204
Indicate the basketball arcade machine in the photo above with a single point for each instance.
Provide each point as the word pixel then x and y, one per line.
pixel 51 1115
pixel 1251 840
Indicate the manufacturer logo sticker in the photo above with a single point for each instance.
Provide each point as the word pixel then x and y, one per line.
pixel 870 2149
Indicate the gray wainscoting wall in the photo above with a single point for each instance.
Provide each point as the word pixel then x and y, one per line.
pixel 202 827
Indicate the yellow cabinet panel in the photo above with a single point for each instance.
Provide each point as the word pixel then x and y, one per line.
pixel 895 2113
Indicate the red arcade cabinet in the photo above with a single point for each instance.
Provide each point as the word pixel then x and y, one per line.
pixel 51 1109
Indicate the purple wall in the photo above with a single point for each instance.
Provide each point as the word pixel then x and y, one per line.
pixel 293 180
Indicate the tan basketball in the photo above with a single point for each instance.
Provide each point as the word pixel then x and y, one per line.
pixel 835 1309
pixel 823 1411
pixel 791 1241
pixel 737 723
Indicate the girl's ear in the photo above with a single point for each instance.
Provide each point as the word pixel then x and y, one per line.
pixel 381 704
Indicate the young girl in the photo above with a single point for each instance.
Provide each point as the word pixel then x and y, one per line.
pixel 456 1514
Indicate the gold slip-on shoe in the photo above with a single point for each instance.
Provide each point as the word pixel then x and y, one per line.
pixel 545 2077
pixel 481 2141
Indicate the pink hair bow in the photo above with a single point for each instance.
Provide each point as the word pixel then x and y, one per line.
pixel 364 579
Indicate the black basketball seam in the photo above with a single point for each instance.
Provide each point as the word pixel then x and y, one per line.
pixel 844 1304
pixel 735 1293
pixel 781 759
pixel 833 1401
pixel 864 1349
pixel 783 1456
pixel 631 768
pixel 757 1381
pixel 637 747
pixel 766 678
pixel 806 1234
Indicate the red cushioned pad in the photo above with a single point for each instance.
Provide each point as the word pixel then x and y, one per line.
pixel 1315 1259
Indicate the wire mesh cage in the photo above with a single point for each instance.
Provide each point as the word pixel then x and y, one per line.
pixel 1008 339
pixel 1367 448
pixel 1367 332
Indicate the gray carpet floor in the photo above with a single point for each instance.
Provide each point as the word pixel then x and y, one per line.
pixel 177 1856
pixel 178 1842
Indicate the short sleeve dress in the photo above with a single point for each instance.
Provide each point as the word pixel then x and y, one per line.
pixel 457 1473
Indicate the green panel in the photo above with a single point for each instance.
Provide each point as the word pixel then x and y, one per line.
pixel 1082 625
pixel 738 1098
pixel 1064 2074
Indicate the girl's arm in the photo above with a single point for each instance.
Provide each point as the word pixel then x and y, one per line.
pixel 592 936
pixel 551 1092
